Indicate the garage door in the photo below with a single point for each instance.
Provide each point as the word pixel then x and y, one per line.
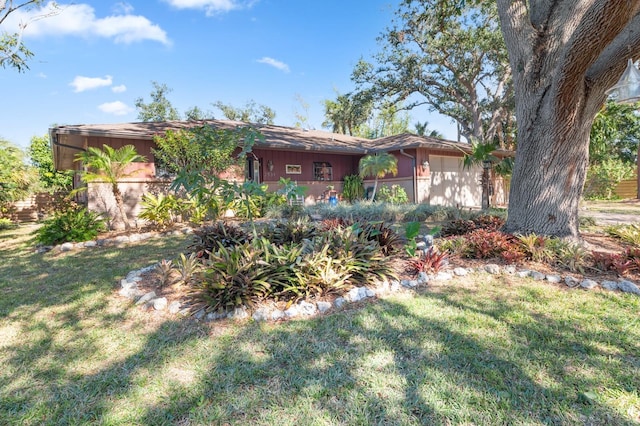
pixel 452 185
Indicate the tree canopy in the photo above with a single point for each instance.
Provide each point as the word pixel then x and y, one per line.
pixel 160 108
pixel 42 159
pixel 16 178
pixel 449 56
pixel 250 113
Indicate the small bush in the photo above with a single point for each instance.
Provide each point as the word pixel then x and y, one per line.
pixel 465 226
pixel 70 226
pixel 429 261
pixel 627 233
pixel 394 195
pixel 6 223
pixel 291 231
pixel 159 210
pixel 208 238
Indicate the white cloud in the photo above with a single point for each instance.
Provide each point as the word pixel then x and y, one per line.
pixel 115 108
pixel 119 89
pixel 122 8
pixel 42 75
pixel 80 83
pixel 211 7
pixel 274 63
pixel 80 20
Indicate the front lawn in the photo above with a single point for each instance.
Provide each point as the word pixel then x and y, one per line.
pixel 475 350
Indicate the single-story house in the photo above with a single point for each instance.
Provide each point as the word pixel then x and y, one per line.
pixel 429 169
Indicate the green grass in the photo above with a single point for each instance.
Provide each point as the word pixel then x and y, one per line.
pixel 486 350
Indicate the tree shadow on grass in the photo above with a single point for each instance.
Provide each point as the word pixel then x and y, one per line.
pixel 30 281
pixel 391 364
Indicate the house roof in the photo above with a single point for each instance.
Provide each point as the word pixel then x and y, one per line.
pixel 68 140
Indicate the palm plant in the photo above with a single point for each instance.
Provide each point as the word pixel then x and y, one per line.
pixel 378 165
pixel 110 165
pixel 482 154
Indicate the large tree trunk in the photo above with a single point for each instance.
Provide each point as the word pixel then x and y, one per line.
pixel 563 56
pixel 548 177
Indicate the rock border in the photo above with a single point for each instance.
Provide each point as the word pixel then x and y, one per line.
pixel 305 309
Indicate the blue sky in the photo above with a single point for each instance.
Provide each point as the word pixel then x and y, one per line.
pixel 95 58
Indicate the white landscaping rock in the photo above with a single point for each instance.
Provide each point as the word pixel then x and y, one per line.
pixel 146 298
pixel 323 307
pixel 460 272
pixel 588 284
pixel 523 274
pixel 307 308
pixel 571 281
pixel 292 312
pixel 537 276
pixel 238 313
pixel 340 302
pixel 628 287
pixel 492 268
pixel 423 278
pixel 277 315
pixel 261 315
pixel 174 307
pixel 555 279
pixel 510 269
pixel 609 285
pixel 160 303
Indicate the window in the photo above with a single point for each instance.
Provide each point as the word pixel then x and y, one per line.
pixel 322 171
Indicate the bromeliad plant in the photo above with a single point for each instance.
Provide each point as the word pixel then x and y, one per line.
pixel 430 261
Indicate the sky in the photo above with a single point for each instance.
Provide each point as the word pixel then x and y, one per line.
pixel 93 59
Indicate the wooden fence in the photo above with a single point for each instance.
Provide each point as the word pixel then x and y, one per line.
pixel 627 188
pixel 32 208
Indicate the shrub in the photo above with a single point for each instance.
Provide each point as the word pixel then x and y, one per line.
pixel 483 244
pixel 232 277
pixel 6 223
pixel 353 188
pixel 465 226
pixel 387 239
pixel 429 261
pixel 627 233
pixel 535 248
pixel 159 209
pixel 209 238
pixel 603 178
pixel 394 195
pixel 291 231
pixel 70 226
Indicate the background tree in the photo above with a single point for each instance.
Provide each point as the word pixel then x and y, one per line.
pixel 422 129
pixel 39 152
pixel 378 165
pixel 13 52
pixel 388 121
pixel 615 133
pixel 347 113
pixel 160 108
pixel 613 149
pixel 302 116
pixel 251 113
pixel 17 179
pixel 564 56
pixel 110 166
pixel 195 113
pixel 448 56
